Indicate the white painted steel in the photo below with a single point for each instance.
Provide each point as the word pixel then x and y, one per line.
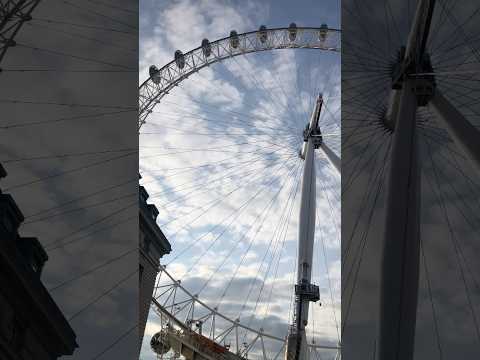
pixel 400 259
pixel 157 86
pixel 306 232
pixel 234 323
pixel 465 136
pixel 332 157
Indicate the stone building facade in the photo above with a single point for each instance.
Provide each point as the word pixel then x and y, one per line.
pixel 153 245
pixel 32 327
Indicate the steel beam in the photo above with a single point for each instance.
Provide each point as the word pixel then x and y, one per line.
pixel 307 218
pixel 305 292
pixel 400 261
pixel 306 238
pixel 331 156
pixel 401 246
pixel 414 52
pixel 417 38
pixel 465 136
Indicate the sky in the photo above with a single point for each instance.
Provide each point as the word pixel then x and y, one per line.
pixel 85 202
pixel 219 157
pixel 72 167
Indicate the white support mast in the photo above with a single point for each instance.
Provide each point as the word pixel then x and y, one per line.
pixel 305 291
pixel 413 85
pixel 401 247
pixel 400 261
pixel 331 156
pixel 464 134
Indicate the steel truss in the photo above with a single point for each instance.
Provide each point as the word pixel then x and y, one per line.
pixel 171 301
pixel 13 14
pixel 161 81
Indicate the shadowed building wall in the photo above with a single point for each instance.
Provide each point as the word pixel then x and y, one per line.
pixel 31 324
pixel 153 245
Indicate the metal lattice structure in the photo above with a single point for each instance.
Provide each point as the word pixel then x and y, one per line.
pixel 161 81
pixel 13 14
pixel 172 302
pixel 185 317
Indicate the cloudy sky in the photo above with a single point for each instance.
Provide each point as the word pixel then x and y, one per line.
pixel 72 161
pixel 219 159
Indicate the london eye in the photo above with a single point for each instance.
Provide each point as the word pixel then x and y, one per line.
pixel 231 195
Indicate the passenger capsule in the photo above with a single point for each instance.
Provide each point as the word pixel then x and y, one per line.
pixel 154 74
pixel 292 31
pixel 179 59
pixel 323 32
pixel 262 34
pixel 206 48
pixel 234 41
pixel 159 343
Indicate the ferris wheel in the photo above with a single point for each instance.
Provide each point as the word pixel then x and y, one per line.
pixel 231 306
pixel 410 124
